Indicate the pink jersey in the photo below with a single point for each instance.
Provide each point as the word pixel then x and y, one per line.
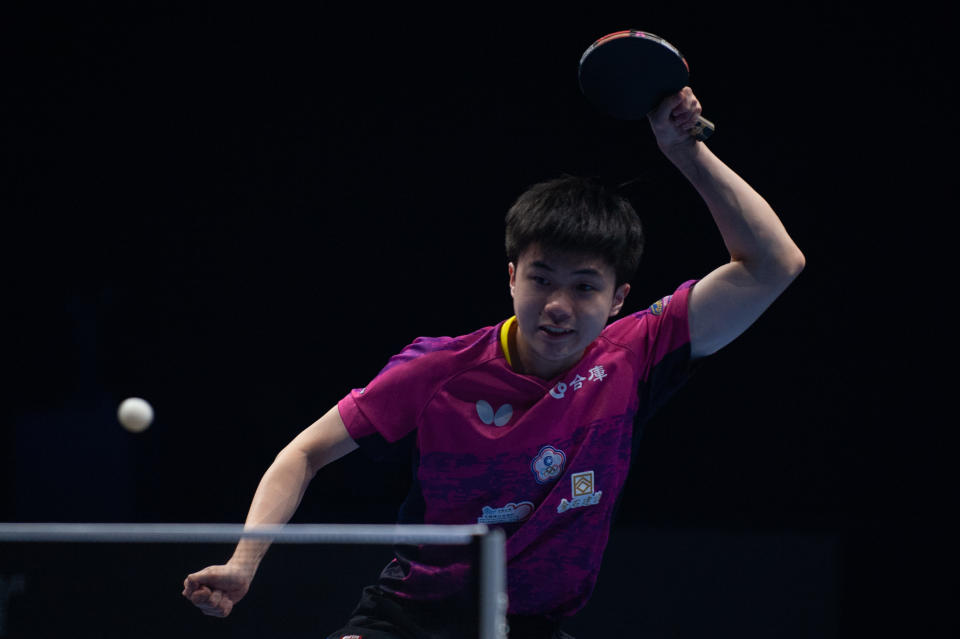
pixel 544 460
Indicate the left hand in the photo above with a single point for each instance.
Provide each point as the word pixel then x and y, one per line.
pixel 673 120
pixel 216 589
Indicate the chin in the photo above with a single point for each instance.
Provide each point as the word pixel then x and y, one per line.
pixel 559 354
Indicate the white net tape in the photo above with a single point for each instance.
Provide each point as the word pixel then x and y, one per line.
pixel 492 601
pixel 215 533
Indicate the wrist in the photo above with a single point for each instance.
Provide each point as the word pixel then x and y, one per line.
pixel 684 154
pixel 246 560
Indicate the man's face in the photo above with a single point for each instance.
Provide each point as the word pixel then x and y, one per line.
pixel 562 301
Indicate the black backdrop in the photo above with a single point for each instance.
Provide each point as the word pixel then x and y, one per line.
pixel 241 213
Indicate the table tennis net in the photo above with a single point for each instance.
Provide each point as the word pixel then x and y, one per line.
pixel 125 580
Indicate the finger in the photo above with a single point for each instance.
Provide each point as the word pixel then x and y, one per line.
pixel 210 575
pixel 666 107
pixel 219 605
pixel 194 580
pixel 687 119
pixel 686 105
pixel 687 122
pixel 214 612
pixel 687 100
pixel 684 110
pixel 208 602
pixel 206 573
pixel 695 108
pixel 200 596
pixel 682 118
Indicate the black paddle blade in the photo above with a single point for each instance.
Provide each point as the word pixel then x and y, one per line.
pixel 627 75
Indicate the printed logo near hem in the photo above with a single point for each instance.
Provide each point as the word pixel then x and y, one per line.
pixel 510 513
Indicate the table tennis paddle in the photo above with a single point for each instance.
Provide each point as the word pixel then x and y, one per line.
pixel 627 74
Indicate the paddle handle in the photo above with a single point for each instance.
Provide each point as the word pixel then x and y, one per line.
pixel 703 129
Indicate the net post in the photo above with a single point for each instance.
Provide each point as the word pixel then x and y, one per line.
pixel 493 585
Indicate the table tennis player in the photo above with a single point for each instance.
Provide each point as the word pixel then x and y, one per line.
pixel 530 425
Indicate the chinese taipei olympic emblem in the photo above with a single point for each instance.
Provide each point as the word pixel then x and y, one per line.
pixel 548 464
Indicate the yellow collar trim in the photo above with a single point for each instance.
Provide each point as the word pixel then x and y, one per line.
pixel 505 338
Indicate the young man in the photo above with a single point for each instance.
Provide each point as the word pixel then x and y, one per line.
pixel 529 425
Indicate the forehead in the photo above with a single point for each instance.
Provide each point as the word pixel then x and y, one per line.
pixel 537 256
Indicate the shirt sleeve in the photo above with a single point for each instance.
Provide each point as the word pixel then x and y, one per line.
pixel 659 336
pixel 382 417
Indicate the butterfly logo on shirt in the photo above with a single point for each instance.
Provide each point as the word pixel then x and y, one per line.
pixel 488 416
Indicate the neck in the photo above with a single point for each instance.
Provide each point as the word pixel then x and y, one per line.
pixel 525 362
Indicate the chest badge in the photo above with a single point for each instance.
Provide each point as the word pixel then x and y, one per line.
pixel 548 464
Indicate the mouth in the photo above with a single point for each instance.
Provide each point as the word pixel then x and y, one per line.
pixel 556 332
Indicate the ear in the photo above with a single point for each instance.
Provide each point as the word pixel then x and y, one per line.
pixel 512 270
pixel 619 296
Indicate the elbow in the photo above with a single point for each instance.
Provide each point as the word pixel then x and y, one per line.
pixel 795 263
pixel 777 270
pixel 787 263
pixel 789 268
pixel 291 459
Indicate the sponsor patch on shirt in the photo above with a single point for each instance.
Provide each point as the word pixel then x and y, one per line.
pixel 657 307
pixel 581 491
pixel 597 374
pixel 510 512
pixel 548 464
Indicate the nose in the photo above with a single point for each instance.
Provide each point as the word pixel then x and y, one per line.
pixel 559 307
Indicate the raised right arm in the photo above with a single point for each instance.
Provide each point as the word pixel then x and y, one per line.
pixel 216 589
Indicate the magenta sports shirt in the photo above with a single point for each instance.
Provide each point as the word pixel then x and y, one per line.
pixel 543 459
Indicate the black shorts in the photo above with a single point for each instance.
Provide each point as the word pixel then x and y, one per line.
pixel 380 616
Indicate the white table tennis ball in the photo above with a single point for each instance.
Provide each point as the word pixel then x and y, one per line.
pixel 135 414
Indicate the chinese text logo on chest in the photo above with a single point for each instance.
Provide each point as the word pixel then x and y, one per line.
pixel 596 374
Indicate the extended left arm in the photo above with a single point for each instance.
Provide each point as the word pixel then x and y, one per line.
pixel 763 258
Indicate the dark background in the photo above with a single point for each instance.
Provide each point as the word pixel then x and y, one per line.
pixel 241 213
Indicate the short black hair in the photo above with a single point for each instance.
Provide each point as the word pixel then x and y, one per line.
pixel 577 214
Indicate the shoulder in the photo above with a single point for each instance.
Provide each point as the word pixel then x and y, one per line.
pixel 444 355
pixel 390 404
pixel 669 308
pixel 664 323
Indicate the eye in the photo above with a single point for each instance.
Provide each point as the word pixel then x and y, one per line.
pixel 586 288
pixel 542 281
